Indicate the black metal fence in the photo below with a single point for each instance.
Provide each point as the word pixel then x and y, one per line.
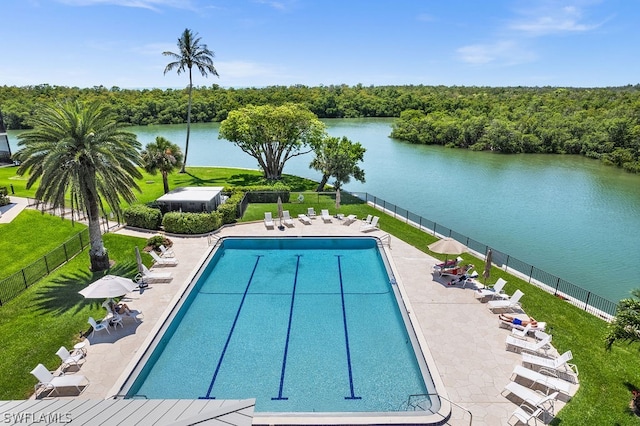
pixel 563 289
pixel 13 285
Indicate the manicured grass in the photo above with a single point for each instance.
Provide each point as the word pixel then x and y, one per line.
pixel 51 313
pixel 22 241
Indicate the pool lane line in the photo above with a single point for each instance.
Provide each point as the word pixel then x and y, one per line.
pixel 346 333
pixel 286 345
pixel 233 326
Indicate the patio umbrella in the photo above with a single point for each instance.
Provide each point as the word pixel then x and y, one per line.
pixel 487 266
pixel 447 245
pixel 338 199
pixel 280 213
pixel 108 286
pixel 139 261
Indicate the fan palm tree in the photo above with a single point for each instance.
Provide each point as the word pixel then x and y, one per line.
pixel 626 325
pixel 161 156
pixel 78 151
pixel 191 53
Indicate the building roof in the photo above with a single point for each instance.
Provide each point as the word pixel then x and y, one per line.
pixel 145 412
pixel 192 193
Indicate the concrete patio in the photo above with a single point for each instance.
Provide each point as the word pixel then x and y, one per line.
pixel 463 336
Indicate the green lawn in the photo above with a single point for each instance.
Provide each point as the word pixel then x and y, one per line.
pixel 51 313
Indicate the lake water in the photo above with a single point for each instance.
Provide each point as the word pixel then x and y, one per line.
pixel 570 216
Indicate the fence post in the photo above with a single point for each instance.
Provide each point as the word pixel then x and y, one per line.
pixel 586 304
pixel 557 285
pixel 24 279
pixel 46 264
pixel 531 274
pixel 506 263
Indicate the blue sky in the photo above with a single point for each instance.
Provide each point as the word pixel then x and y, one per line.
pixel 257 43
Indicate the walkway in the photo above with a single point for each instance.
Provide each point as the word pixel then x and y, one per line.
pixel 463 336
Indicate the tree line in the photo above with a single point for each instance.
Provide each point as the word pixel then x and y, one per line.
pixel 599 123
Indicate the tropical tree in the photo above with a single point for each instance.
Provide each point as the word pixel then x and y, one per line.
pixel 191 52
pixel 80 157
pixel 338 158
pixel 273 134
pixel 626 325
pixel 161 156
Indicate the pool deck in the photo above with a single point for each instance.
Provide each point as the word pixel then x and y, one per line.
pixel 463 336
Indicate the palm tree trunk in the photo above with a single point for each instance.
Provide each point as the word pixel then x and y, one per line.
pixel 97 252
pixel 186 146
pixel 165 181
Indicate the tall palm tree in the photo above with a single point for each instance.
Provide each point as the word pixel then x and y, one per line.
pixel 78 151
pixel 191 53
pixel 161 156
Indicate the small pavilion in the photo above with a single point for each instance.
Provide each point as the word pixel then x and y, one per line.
pixel 196 199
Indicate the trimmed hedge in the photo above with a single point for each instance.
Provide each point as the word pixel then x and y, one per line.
pixel 191 223
pixel 264 193
pixel 141 216
pixel 229 210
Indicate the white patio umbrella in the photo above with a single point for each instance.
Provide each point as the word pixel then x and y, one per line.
pixel 447 245
pixel 280 213
pixel 108 286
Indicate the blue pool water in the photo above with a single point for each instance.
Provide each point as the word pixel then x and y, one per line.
pixel 302 325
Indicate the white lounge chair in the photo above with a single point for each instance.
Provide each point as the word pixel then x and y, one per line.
pixel 524 413
pixel 46 380
pixel 557 365
pixel 350 219
pixel 551 382
pixel 521 333
pixel 494 292
pixel 162 260
pixel 68 358
pixel 531 397
pixel 367 219
pixel 521 345
pixel 148 275
pixel 516 329
pixel 509 304
pixel 366 227
pixel 166 252
pixel 268 220
pixel 311 212
pixel 286 218
pixel 325 215
pixel 304 219
pixel 97 327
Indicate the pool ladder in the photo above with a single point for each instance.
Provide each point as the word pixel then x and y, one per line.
pixel 414 403
pixel 385 239
pixel 213 239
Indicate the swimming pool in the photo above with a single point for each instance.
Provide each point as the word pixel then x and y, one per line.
pixel 304 325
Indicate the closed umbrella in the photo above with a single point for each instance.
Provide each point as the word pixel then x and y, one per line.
pixel 338 199
pixel 487 266
pixel 139 261
pixel 280 227
pixel 108 286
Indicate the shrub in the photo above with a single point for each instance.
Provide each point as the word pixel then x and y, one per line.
pixel 159 240
pixel 191 223
pixel 229 210
pixel 141 216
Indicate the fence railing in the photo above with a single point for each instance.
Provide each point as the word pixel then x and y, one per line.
pixel 578 296
pixel 13 285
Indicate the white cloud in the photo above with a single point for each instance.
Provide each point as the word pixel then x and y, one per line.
pixel 502 53
pixel 143 4
pixel 552 18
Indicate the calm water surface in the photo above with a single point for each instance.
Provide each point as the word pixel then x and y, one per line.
pixel 568 215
